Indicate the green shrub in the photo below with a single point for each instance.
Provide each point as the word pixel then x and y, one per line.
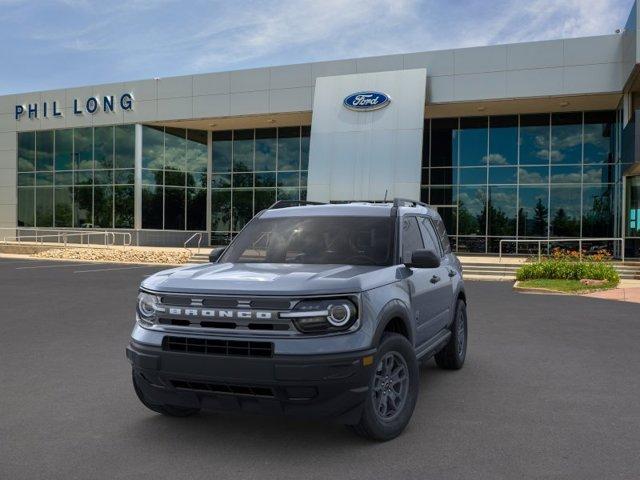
pixel 568 270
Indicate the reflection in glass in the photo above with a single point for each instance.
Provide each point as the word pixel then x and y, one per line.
pixel 597 211
pixel 26 207
pixel 26 151
pixel 442 176
pixel 242 210
pixel 503 140
pixel 152 147
pixel 304 147
pixel 175 150
pixel 103 147
pixel 63 198
pixel 444 143
pixel 243 151
pixel 264 198
pixel 502 211
pixel 503 175
pixel 472 210
pixel 533 212
pixel 221 210
pixel 266 145
pixel 528 175
pixel 174 203
pixel 599 141
pixel 123 198
pixel 83 148
pixel 534 139
pixel 152 207
pixel 197 151
pixel 63 159
pixel 566 138
pixel 564 174
pixel 289 148
pixel 196 209
pixel 222 148
pixel 44 150
pixel 44 207
pixel 103 207
pixel 473 137
pixel 83 206
pixel 125 146
pixel 472 176
pixel 564 211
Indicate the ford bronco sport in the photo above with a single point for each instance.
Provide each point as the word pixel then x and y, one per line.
pixel 313 310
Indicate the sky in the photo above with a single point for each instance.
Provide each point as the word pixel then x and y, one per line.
pixel 50 44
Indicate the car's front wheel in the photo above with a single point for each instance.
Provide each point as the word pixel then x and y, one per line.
pixel 169 410
pixel 393 390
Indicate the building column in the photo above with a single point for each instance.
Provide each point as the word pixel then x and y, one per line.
pixel 137 210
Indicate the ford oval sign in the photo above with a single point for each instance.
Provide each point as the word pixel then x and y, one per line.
pixel 365 101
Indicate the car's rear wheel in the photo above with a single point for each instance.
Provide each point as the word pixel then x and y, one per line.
pixel 169 410
pixel 452 356
pixel 393 390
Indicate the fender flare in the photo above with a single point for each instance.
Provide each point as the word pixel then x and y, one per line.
pixel 394 309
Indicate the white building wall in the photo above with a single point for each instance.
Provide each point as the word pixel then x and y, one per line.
pixel 362 154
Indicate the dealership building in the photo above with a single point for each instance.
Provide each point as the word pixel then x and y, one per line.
pixel 528 141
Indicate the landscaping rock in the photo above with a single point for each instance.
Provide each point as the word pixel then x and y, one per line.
pixel 119 255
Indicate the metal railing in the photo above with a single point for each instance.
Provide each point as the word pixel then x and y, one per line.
pixel 197 235
pixel 549 241
pixel 108 239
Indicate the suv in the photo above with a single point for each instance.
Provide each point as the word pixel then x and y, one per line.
pixel 314 310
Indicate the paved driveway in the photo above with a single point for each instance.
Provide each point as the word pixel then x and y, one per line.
pixel 551 390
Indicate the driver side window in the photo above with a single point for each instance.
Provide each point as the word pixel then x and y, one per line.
pixel 411 238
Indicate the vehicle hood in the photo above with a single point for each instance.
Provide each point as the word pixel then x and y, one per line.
pixel 270 279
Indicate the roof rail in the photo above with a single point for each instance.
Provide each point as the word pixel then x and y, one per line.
pixel 402 202
pixel 292 203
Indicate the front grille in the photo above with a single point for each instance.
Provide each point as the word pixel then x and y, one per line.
pixel 205 346
pixel 224 388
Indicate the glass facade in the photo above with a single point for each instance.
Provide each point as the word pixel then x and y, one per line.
pixel 537 176
pixel 251 169
pixel 77 177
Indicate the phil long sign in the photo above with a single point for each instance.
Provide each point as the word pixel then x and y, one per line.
pixel 91 105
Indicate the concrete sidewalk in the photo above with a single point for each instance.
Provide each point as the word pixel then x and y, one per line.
pixel 627 291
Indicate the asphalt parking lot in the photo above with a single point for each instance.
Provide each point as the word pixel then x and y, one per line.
pixel 551 389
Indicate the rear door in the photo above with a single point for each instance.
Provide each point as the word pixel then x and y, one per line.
pixel 443 285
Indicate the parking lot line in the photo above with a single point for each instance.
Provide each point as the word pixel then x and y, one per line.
pixel 115 268
pixel 56 266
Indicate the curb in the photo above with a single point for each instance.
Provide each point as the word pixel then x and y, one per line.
pixel 539 290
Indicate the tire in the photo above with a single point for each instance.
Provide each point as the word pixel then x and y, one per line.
pixel 452 356
pixel 168 410
pixel 380 420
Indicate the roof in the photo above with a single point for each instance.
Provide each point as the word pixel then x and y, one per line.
pixel 354 209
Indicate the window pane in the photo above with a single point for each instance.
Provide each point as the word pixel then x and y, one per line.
pixel 266 179
pixel 502 211
pixel 564 212
pixel 64 206
pixel 174 201
pixel 411 238
pixel 533 174
pixel 503 175
pixel 441 196
pixel 221 210
pixel 599 140
pixel 174 178
pixel 125 146
pixel 83 148
pixel 175 150
pixel 63 178
pixel 289 148
pixel 44 207
pixel 26 202
pixel 288 193
pixel 221 145
pixel 564 174
pixel 221 181
pixel 288 179
pixel 472 176
pixel 26 179
pixel 64 149
pixel 265 198
pixel 152 177
pixel 197 179
pixel 566 138
pixel 243 150
pixel 103 207
pixel 534 139
pixel 44 179
pixel 242 180
pixel 103 177
pixel 197 153
pixel 533 214
pixel 103 147
pixel 44 150
pixel 473 141
pixel 123 206
pixel 266 144
pixel 152 147
pixel 83 177
pixel 605 173
pixel 83 206
pixel 444 146
pixel 152 207
pixel 597 211
pixel 26 152
pixel 123 176
pixel 503 140
pixel 196 209
pixel 471 210
pixel 304 148
pixel 242 208
pixel 442 176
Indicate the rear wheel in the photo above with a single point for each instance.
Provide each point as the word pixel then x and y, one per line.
pixel 169 410
pixel 393 390
pixel 452 356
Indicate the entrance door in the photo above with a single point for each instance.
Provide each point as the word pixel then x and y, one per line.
pixel 631 217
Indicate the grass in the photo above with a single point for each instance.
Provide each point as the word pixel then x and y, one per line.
pixel 566 286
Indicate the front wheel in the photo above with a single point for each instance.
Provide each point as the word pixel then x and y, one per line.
pixel 168 410
pixel 393 390
pixel 452 356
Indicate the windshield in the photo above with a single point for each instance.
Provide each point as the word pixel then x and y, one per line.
pixel 317 240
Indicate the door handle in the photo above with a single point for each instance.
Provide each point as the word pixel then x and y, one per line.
pixel 435 279
pixel 452 273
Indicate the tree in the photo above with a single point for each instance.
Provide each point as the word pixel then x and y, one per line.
pixel 540 221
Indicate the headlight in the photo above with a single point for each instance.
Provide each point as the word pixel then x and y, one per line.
pixel 147 307
pixel 323 315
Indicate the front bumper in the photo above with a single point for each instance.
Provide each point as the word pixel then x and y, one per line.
pixel 310 386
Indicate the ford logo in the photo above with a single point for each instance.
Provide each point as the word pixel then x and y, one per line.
pixel 364 101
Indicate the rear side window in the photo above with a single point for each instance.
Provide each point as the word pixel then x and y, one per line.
pixel 429 236
pixel 442 233
pixel 411 238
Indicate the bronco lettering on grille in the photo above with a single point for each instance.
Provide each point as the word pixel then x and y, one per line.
pixel 216 313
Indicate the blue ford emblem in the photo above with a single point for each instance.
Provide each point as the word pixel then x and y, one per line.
pixel 363 101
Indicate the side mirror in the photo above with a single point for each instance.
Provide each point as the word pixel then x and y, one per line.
pixel 424 259
pixel 215 254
